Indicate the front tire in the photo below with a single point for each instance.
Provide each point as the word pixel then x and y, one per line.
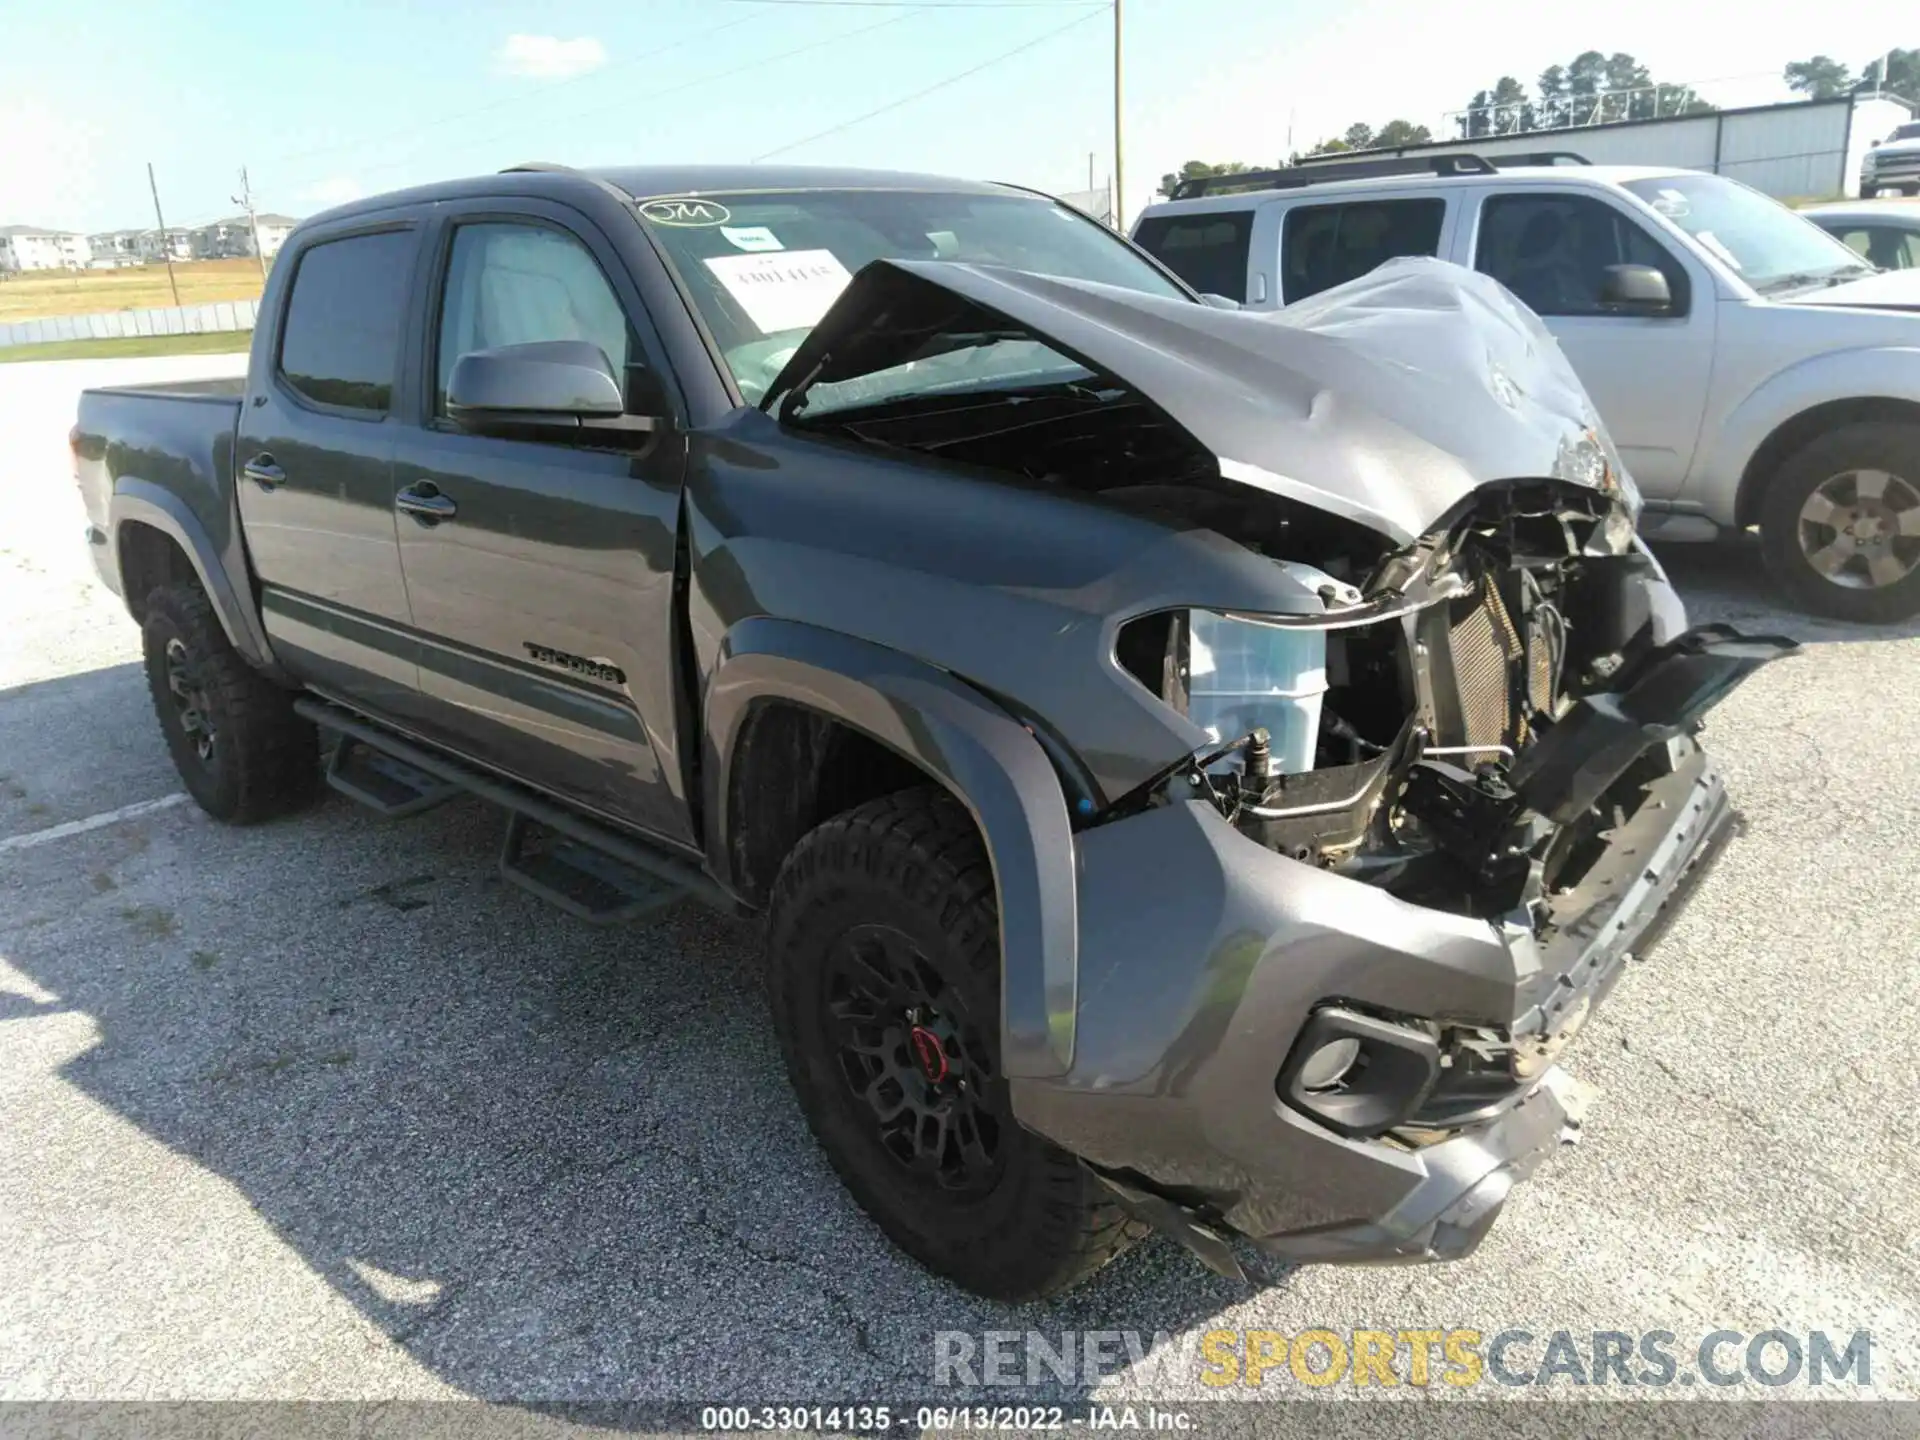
pixel 1840 523
pixel 883 962
pixel 242 752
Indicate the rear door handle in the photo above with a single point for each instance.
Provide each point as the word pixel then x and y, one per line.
pixel 425 503
pixel 263 472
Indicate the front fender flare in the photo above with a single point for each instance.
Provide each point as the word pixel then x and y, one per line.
pixel 146 503
pixel 1878 372
pixel 990 763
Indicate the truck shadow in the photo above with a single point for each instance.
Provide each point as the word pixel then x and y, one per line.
pixel 555 1164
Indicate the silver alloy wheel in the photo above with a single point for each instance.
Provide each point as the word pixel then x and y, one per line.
pixel 190 700
pixel 1861 529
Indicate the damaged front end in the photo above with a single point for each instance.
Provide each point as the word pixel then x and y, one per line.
pixel 1431 791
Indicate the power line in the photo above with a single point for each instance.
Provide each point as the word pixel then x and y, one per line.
pixel 937 85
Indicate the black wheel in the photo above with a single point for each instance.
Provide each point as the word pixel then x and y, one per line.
pixel 1840 523
pixel 243 753
pixel 883 962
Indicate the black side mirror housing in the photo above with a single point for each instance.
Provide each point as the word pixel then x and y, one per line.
pixel 550 380
pixel 1635 290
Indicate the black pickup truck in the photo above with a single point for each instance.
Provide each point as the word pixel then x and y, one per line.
pixel 1196 768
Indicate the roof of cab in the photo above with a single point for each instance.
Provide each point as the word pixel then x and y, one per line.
pixel 645 182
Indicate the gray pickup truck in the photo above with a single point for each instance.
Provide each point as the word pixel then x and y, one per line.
pixel 1197 769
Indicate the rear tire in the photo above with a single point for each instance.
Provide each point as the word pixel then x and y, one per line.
pixel 883 961
pixel 242 752
pixel 1840 523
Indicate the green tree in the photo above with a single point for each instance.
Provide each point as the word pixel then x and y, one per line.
pixel 1586 78
pixel 1820 78
pixel 1512 111
pixel 1478 119
pixel 1898 72
pixel 1199 169
pixel 1359 137
pixel 1553 95
pixel 1628 80
pixel 1396 133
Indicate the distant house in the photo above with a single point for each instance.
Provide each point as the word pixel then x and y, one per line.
pixel 152 247
pixel 231 238
pixel 28 247
pixel 109 248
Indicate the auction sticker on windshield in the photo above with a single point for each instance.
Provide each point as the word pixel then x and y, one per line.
pixel 785 290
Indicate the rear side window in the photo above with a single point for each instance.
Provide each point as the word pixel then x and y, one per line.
pixel 1207 250
pixel 340 344
pixel 1327 245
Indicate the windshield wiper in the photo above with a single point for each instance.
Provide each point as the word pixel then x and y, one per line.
pixel 1806 279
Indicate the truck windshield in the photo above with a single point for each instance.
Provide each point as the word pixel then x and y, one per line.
pixel 762 268
pixel 1760 240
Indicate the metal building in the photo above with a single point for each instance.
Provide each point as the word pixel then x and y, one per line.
pixel 1802 150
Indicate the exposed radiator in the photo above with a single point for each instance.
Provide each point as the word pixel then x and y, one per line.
pixel 1486 653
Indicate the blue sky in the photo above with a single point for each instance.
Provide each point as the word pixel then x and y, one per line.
pixel 325 101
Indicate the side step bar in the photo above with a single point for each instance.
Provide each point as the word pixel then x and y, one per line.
pixel 587 868
pixel 384 782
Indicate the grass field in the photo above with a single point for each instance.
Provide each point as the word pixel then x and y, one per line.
pixel 39 293
pixel 133 345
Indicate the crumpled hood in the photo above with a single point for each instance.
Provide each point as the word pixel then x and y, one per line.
pixel 1889 290
pixel 1387 400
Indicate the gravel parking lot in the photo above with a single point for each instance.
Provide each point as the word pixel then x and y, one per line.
pixel 325 1110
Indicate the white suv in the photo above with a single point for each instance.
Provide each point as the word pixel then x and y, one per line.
pixel 1751 368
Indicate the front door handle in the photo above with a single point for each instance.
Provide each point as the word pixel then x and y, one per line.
pixel 425 503
pixel 262 470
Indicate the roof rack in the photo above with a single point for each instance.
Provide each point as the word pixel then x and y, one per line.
pixel 1539 157
pixel 1319 171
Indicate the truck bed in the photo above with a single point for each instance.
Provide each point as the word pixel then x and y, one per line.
pixel 166 445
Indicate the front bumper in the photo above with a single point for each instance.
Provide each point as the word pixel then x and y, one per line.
pixel 1187 1013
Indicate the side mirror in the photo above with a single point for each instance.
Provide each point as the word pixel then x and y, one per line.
pixel 1635 290
pixel 550 384
pixel 1873 144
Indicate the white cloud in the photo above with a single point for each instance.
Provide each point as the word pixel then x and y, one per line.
pixel 547 57
pixel 335 190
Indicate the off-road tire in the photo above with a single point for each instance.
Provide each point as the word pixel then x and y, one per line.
pixel 914 862
pixel 264 759
pixel 1892 446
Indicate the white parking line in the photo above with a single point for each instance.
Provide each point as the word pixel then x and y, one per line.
pixel 92 822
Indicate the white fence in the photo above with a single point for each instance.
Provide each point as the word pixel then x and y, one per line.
pixel 216 316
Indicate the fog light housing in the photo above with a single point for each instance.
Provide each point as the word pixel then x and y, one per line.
pixel 1357 1074
pixel 1328 1065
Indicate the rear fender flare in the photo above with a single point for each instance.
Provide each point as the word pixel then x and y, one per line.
pixel 989 762
pixel 146 503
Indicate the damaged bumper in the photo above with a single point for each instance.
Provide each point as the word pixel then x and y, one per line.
pixel 1190 1018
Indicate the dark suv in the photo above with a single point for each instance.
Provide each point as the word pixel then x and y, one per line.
pixel 1195 767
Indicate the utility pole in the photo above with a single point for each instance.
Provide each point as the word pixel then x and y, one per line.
pixel 166 245
pixel 1119 163
pixel 245 200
